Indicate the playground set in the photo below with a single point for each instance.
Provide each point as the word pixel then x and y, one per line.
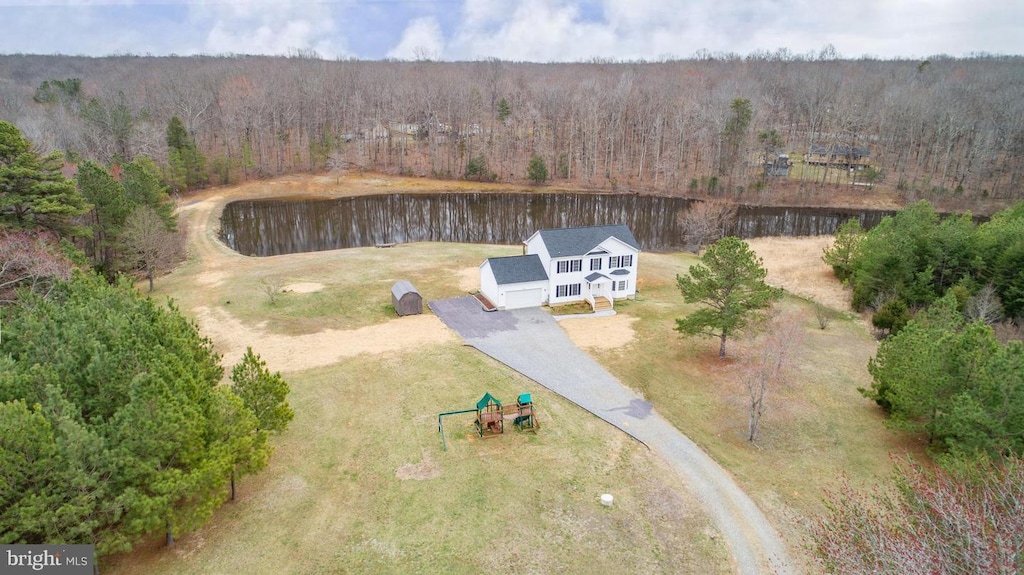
pixel 491 415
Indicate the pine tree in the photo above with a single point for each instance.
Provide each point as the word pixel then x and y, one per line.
pixel 33 191
pixel 537 170
pixel 729 281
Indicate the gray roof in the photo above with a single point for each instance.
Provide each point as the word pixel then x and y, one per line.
pixel 579 241
pixel 596 276
pixel 620 273
pixel 401 288
pixel 517 269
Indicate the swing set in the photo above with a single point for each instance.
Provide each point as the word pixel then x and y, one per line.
pixel 491 415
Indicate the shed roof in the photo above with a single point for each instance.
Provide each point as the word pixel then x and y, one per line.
pixel 580 241
pixel 401 288
pixel 517 269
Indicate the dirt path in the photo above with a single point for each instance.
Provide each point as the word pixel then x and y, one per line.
pixel 283 352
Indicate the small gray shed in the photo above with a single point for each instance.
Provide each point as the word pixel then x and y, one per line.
pixel 406 299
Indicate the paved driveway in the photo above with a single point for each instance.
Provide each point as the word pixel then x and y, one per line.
pixel 531 342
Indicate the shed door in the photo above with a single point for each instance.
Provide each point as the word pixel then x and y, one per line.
pixel 523 298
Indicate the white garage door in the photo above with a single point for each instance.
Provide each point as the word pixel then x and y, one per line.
pixel 523 298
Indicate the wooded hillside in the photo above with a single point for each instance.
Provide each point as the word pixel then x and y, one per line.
pixel 947 127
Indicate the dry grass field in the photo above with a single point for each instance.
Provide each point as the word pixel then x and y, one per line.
pixel 360 484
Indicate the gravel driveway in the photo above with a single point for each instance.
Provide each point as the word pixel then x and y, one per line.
pixel 531 342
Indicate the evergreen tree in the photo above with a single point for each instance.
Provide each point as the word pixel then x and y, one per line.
pixel 132 434
pixel 187 165
pixel 504 110
pixel 537 170
pixel 476 169
pixel 1001 248
pixel 142 187
pixel 954 381
pixel 33 192
pixel 729 281
pixel 734 135
pixel 845 249
pixel 110 209
pixel 264 393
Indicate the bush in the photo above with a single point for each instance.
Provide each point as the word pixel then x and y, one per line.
pixel 892 316
pixel 966 519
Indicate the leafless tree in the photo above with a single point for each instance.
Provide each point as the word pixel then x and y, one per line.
pixel 823 315
pixel 149 245
pixel 967 520
pixel 985 306
pixel 767 364
pixel 271 287
pixel 707 221
pixel 953 128
pixel 29 261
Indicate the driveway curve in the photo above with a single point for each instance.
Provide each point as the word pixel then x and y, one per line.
pixel 531 342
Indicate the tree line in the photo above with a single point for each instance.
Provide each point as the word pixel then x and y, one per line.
pixel 952 127
pixel 112 423
pixel 117 218
pixel 937 287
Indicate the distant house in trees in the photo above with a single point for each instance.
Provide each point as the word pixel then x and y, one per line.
pixel 596 264
pixel 839 156
pixel 777 166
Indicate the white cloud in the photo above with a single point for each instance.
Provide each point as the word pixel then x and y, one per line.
pixel 538 30
pixel 422 39
pixel 546 30
pixel 267 27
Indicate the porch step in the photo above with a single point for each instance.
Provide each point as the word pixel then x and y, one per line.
pixel 602 303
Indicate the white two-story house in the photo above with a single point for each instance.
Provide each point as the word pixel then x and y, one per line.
pixel 596 264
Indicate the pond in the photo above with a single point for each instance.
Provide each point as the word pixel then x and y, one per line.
pixel 284 226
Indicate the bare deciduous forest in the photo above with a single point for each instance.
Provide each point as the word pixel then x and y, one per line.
pixel 944 127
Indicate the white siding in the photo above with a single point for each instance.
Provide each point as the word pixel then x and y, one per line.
pixel 613 247
pixel 520 298
pixel 568 278
pixel 535 245
pixel 488 285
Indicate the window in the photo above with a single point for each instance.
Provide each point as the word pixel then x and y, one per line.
pixel 567 290
pixel 595 264
pixel 570 266
pixel 620 261
pixel 622 285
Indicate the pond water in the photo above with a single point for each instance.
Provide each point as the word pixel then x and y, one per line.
pixel 284 226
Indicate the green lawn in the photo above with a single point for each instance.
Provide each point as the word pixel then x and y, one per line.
pixel 359 482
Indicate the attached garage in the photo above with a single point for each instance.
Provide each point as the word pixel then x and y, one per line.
pixel 515 299
pixel 514 282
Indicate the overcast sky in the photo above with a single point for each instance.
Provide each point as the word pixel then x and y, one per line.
pixel 533 30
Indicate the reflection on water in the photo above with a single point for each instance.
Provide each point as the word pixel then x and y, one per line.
pixel 274 227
